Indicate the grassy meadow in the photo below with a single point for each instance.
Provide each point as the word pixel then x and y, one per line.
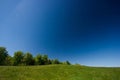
pixel 58 72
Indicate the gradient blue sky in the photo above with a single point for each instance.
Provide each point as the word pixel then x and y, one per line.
pixel 81 31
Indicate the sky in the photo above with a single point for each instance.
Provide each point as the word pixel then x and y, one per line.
pixel 80 31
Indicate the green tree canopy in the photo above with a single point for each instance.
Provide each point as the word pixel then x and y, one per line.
pixel 55 61
pixel 3 55
pixel 67 62
pixel 45 59
pixel 38 59
pixel 9 61
pixel 21 58
pixel 28 59
pixel 18 57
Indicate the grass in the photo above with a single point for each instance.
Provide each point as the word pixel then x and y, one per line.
pixel 58 72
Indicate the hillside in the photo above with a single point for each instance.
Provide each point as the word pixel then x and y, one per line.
pixel 58 72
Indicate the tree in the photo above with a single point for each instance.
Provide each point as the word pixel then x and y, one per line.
pixel 3 55
pixel 28 59
pixel 45 59
pixel 18 57
pixel 49 61
pixel 9 61
pixel 67 62
pixel 55 61
pixel 38 59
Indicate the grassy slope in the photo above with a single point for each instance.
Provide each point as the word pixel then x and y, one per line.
pixel 58 72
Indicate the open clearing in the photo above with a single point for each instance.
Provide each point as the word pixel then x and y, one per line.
pixel 58 72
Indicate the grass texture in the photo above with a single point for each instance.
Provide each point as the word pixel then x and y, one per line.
pixel 58 72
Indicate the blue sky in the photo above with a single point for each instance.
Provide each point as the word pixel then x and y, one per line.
pixel 81 31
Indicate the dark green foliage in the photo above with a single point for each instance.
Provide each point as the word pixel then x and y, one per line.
pixel 3 55
pixel 45 59
pixel 55 61
pixel 49 61
pixel 9 61
pixel 68 62
pixel 42 60
pixel 28 59
pixel 38 60
pixel 18 58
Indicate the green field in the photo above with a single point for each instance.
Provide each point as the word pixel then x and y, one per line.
pixel 58 72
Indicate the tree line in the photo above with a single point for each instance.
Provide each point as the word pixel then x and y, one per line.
pixel 21 58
